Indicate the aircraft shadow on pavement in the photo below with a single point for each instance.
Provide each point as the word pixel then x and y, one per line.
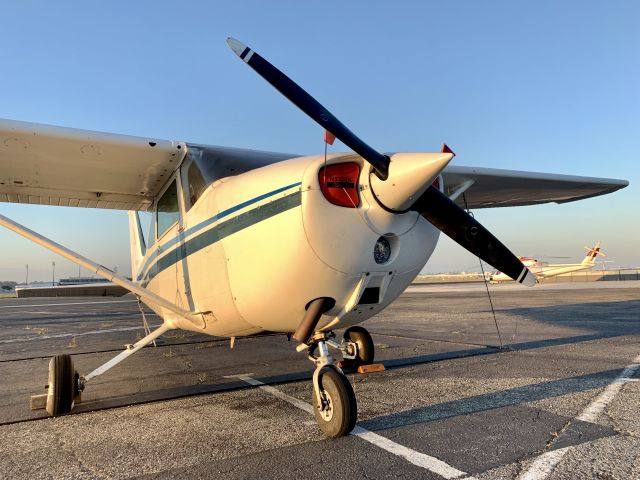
pixel 594 317
pixel 199 389
pixel 606 318
pixel 503 417
pixel 494 400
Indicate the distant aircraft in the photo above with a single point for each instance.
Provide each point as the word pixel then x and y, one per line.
pixel 244 242
pixel 545 270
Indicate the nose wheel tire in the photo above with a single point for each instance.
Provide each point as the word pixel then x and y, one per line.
pixel 337 411
pixel 364 345
pixel 61 386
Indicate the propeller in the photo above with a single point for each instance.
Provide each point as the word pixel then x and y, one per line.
pixel 434 205
pixel 310 106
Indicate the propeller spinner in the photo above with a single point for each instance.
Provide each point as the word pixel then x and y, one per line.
pixel 401 182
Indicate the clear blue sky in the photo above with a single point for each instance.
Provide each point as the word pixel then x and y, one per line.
pixel 541 86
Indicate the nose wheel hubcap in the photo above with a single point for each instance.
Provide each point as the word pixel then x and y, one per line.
pixel 326 413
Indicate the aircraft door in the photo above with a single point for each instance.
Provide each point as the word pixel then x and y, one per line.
pixel 167 274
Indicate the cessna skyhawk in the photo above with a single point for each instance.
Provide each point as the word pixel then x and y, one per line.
pixel 244 242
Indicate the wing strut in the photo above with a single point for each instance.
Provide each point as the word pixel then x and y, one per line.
pixel 104 272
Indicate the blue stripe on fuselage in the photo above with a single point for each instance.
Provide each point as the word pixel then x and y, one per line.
pixel 144 271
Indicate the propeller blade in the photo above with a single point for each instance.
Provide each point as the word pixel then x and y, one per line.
pixel 310 106
pixel 461 227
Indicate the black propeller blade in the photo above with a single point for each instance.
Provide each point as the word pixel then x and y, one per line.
pixel 462 228
pixel 311 107
pixel 433 204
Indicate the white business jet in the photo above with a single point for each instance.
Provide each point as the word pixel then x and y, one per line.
pixel 545 270
pixel 244 242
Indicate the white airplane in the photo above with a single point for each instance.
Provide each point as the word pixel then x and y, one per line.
pixel 244 242
pixel 545 270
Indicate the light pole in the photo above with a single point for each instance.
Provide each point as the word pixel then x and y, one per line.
pixel 53 277
pixel 26 280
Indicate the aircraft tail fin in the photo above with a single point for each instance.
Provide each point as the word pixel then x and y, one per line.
pixel 136 243
pixel 593 252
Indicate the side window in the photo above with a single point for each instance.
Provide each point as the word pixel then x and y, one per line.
pixel 167 209
pixel 147 227
pixel 152 230
pixel 195 184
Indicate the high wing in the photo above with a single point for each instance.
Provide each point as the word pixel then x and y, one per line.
pixel 49 165
pixel 490 187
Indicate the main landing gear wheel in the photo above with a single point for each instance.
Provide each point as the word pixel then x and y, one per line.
pixel 62 385
pixel 363 343
pixel 336 411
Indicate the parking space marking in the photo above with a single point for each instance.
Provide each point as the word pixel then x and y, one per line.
pixel 543 465
pixel 67 303
pixel 63 335
pixel 416 458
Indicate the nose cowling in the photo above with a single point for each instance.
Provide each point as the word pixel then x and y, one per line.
pixel 410 174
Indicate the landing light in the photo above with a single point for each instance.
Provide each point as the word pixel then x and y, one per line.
pixel 339 184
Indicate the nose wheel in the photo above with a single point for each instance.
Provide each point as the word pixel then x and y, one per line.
pixel 334 403
pixel 336 409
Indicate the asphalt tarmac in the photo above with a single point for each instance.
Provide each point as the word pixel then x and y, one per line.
pixel 560 401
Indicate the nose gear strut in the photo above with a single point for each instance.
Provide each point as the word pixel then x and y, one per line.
pixel 334 403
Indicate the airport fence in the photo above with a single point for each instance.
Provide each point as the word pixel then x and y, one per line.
pixel 610 275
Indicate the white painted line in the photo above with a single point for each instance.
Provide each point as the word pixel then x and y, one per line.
pixel 543 465
pixel 87 315
pixel 63 335
pixel 419 459
pixel 63 304
pixel 275 392
pixel 416 458
pixel 598 405
pixel 46 312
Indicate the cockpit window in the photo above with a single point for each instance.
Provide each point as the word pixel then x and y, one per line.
pixel 195 183
pixel 215 163
pixel 167 209
pixel 147 226
pixel 204 165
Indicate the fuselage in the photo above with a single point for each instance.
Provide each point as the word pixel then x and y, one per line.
pixel 255 248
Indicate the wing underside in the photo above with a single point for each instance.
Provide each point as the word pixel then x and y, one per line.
pixel 490 188
pixel 48 165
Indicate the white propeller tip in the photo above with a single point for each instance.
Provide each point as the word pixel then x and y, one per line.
pixel 237 46
pixel 529 278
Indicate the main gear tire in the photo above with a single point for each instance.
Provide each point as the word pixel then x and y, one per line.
pixel 61 386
